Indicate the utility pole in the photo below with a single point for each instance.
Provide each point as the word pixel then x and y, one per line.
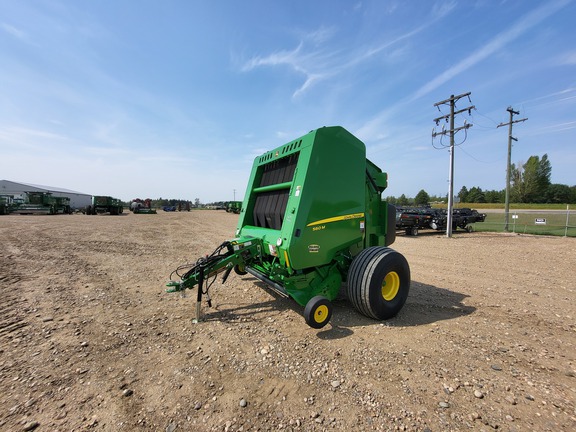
pixel 508 165
pixel 452 131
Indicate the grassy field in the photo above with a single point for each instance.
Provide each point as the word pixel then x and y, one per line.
pixel 524 222
pixel 480 206
pixel 559 221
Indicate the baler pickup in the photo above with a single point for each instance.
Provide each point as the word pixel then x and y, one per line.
pixel 313 219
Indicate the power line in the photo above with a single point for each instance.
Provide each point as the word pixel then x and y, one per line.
pixel 508 168
pixel 451 101
pixel 478 124
pixel 471 156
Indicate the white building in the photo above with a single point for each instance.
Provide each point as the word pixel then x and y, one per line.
pixel 78 200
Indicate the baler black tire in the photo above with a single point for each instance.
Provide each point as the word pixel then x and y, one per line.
pixel 240 270
pixel 378 282
pixel 318 312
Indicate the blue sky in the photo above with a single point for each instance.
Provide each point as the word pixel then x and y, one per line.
pixel 174 99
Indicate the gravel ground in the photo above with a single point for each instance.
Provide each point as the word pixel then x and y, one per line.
pixel 90 340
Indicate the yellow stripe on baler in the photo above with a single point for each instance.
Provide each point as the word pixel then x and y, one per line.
pixel 337 219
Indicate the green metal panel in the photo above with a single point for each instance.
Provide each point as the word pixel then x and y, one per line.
pixel 327 200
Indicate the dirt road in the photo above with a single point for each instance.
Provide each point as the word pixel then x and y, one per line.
pixel 89 340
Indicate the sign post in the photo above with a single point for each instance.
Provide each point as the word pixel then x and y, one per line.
pixel 567 220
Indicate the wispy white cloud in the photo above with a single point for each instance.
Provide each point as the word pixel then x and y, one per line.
pixel 320 36
pixel 313 65
pixel 105 151
pixel 13 31
pixel 496 44
pixel 321 63
pixel 567 59
pixel 551 98
pixel 373 129
pixel 277 58
pixel 553 128
pixel 17 136
pixel 443 8
pixel 367 53
pixel 316 61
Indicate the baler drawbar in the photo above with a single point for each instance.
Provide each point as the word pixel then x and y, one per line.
pixel 312 220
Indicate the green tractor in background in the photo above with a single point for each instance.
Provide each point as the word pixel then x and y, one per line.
pixel 7 204
pixel 38 203
pixel 234 207
pixel 105 204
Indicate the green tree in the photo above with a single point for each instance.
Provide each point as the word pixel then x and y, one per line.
pixel 463 194
pixel 422 198
pixel 494 196
pixel 476 195
pixel 402 200
pixel 531 181
pixel 544 175
pixel 558 193
pixel 517 193
pixel 439 199
pixel 391 200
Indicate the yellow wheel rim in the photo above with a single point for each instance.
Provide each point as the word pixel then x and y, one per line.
pixel 390 286
pixel 321 313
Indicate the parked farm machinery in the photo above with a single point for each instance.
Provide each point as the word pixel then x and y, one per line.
pixel 411 219
pixel 312 218
pixel 63 205
pixel 234 207
pixel 139 206
pixel 7 204
pixel 461 218
pixel 105 204
pixel 183 206
pixel 38 203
